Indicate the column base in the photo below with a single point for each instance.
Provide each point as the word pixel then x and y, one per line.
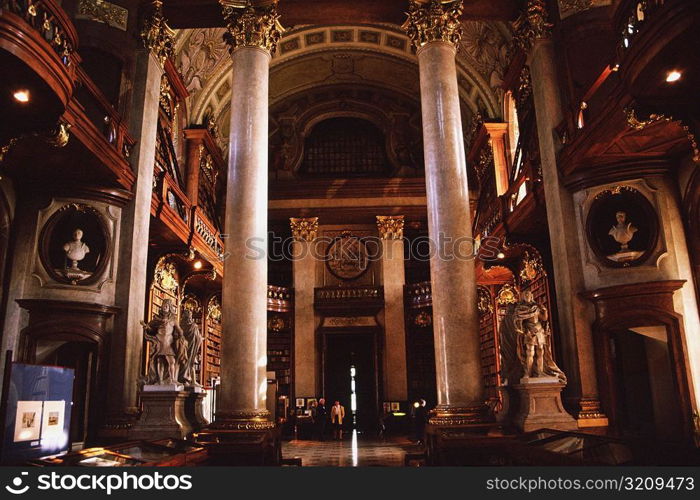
pixel 163 416
pixel 242 438
pixel 540 406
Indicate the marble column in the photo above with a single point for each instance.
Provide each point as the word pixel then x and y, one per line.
pixel 393 279
pixel 304 232
pixel 574 313
pixel 435 30
pixel 127 340
pixel 252 33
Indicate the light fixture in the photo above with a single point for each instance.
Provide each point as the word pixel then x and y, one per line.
pixel 198 264
pixel 673 76
pixel 21 95
pixel 500 255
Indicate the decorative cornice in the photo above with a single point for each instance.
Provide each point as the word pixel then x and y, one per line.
pixel 390 226
pixel 637 124
pixel 156 35
pixel 102 11
pixel 434 22
pixel 248 25
pixel 304 229
pixel 532 25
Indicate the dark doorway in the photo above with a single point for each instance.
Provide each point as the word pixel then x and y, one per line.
pixel 341 352
pixel 81 357
pixel 647 400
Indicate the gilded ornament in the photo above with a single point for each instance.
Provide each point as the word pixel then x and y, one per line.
pixel 166 276
pixel 531 25
pixel 156 35
pixel 531 268
pixel 507 295
pixel 249 25
pixel 103 12
pixel 304 229
pixel 390 226
pixel 634 122
pixel 434 22
pixel 276 324
pixel 483 303
pixel 214 309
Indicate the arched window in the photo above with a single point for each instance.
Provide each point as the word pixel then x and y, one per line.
pixel 345 147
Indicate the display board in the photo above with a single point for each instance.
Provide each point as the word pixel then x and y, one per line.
pixel 38 401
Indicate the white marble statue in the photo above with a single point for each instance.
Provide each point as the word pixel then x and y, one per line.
pixel 167 349
pixel 526 344
pixel 188 369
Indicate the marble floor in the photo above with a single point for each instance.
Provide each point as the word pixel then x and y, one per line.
pixel 353 451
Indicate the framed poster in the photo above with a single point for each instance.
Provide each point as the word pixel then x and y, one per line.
pixel 36 411
pixel 300 403
pixel 28 421
pixel 395 406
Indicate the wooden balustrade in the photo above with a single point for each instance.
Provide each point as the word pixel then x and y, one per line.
pixel 279 299
pixel 39 33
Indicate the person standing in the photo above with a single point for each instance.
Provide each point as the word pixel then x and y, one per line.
pixel 337 416
pixel 321 419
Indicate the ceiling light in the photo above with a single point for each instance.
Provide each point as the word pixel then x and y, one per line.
pixel 673 76
pixel 21 95
pixel 501 255
pixel 198 264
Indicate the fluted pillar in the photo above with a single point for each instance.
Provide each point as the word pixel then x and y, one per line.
pixel 304 231
pixel 533 33
pixel 252 33
pixel 435 29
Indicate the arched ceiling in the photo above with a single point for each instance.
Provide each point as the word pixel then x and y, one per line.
pixel 377 56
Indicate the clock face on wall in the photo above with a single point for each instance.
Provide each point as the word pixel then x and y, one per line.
pixel 347 257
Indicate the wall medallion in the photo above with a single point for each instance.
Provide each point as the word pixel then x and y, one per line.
pixel 75 245
pixel 622 227
pixel 276 324
pixel 423 319
pixel 347 257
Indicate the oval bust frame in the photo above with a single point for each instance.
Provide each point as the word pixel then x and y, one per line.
pixel 45 240
pixel 650 215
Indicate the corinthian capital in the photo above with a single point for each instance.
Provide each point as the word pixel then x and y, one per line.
pixel 390 226
pixel 249 25
pixel 304 229
pixel 156 34
pixel 532 25
pixel 433 21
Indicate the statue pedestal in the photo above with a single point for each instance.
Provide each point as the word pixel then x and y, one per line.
pixel 540 405
pixel 194 408
pixel 163 415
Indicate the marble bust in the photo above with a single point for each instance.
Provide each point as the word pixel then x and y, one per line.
pixel 75 251
pixel 623 232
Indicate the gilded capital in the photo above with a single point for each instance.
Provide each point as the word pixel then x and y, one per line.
pixel 435 20
pixel 249 25
pixel 156 34
pixel 304 229
pixel 390 226
pixel 532 25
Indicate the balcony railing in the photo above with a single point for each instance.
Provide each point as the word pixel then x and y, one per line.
pixel 279 299
pixel 40 33
pixel 418 295
pixel 368 299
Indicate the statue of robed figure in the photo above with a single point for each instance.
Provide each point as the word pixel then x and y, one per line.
pixel 526 343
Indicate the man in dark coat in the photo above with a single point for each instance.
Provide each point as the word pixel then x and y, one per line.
pixel 321 419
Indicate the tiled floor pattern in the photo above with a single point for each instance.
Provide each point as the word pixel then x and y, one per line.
pixel 353 451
